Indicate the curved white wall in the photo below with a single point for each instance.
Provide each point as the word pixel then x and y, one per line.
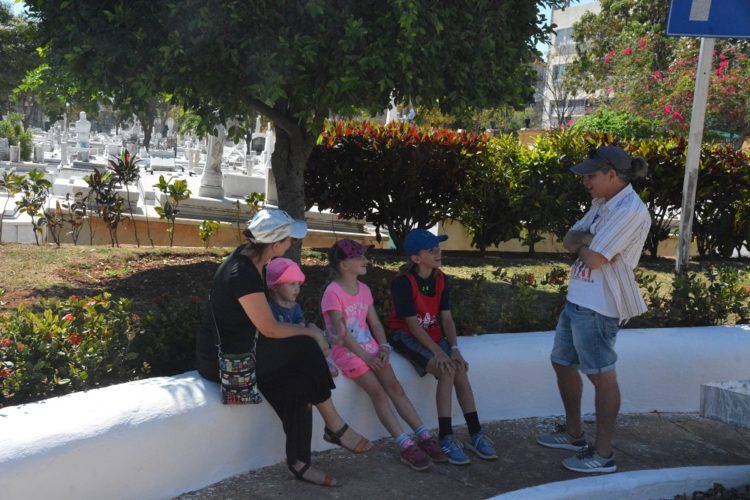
pixel 160 437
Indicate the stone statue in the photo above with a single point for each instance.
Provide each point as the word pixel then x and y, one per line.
pixel 83 129
pixel 211 180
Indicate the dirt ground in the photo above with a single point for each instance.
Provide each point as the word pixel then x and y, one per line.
pixel 646 441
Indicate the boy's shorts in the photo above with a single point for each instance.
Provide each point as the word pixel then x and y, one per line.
pixel 405 344
pixel 585 339
pixel 349 363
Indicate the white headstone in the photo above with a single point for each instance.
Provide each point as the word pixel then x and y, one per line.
pixel 83 130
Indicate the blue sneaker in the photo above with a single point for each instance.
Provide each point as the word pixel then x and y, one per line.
pixel 453 449
pixel 482 446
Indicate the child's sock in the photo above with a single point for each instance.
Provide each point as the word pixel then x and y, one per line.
pixel 445 426
pixel 404 440
pixel 472 422
pixel 422 432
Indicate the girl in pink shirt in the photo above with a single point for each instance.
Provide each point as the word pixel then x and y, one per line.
pixel 348 311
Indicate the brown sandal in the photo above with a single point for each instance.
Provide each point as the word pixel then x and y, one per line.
pixel 362 445
pixel 328 480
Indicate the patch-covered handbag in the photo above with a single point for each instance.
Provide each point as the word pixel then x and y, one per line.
pixel 236 373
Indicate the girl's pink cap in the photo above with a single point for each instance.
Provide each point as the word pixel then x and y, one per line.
pixel 282 270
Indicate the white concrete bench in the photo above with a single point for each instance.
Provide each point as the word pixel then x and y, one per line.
pixel 160 437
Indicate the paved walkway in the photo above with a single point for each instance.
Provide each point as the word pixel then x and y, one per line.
pixel 647 441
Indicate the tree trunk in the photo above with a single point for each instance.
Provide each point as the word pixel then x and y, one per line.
pixel 292 149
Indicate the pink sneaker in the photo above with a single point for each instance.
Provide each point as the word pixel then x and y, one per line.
pixel 413 456
pixel 431 446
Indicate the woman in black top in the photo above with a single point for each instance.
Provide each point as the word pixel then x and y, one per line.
pixel 291 368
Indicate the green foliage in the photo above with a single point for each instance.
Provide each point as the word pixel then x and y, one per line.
pixel 67 346
pixel 547 196
pixel 107 201
pixel 484 203
pixel 76 213
pixel 11 183
pixel 35 190
pixel 176 191
pixel 722 206
pixel 398 176
pixel 169 327
pixel 127 171
pixel 206 230
pixel 17 52
pixel 305 61
pixel 714 296
pixel 12 129
pixel 624 52
pixel 620 124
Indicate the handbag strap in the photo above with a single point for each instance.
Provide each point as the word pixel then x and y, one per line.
pixel 216 328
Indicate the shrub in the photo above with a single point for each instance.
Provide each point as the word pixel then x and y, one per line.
pixel 618 123
pixel 483 205
pixel 67 346
pixel 397 176
pixel 12 129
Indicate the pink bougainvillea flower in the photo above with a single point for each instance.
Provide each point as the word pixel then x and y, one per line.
pixel 667 108
pixel 609 56
pixel 6 342
pixel 627 51
pixel 656 75
pixel 530 279
pixel 678 116
pixel 642 43
pixel 69 317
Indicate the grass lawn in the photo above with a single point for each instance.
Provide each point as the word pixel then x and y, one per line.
pixel 481 300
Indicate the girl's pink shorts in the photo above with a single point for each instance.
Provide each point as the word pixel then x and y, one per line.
pixel 349 363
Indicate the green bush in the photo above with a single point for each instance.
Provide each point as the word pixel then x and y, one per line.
pixel 67 346
pixel 397 176
pixel 12 129
pixel 618 123
pixel 88 342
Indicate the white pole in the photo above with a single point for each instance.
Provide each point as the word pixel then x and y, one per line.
pixel 695 139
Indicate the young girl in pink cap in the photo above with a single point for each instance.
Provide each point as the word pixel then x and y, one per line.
pixel 284 279
pixel 348 311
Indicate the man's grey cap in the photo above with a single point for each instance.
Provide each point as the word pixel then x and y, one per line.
pixel 603 159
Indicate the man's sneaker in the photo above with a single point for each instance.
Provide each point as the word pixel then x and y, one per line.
pixel 413 456
pixel 588 460
pixel 562 440
pixel 482 446
pixel 430 445
pixel 454 450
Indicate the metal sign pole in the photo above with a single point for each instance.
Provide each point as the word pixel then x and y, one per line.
pixel 695 140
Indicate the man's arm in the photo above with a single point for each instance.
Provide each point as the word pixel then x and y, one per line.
pixel 578 242
pixel 576 239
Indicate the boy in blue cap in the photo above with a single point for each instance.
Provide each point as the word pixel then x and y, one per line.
pixel 423 331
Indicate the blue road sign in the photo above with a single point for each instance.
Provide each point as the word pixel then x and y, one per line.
pixel 709 18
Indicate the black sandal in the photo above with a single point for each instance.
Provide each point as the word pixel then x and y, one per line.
pixel 329 436
pixel 328 480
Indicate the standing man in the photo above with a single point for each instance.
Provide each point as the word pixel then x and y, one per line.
pixel 602 296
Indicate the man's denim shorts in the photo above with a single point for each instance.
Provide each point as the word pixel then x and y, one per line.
pixel 585 339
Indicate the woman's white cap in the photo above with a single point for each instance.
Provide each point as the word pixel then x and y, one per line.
pixel 272 224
